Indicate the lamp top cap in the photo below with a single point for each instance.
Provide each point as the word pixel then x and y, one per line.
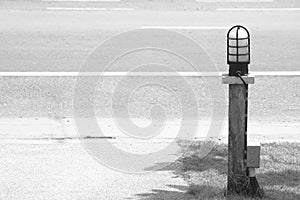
pixel 238 32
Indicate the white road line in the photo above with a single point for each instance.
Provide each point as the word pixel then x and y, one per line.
pixel 171 74
pixel 80 0
pixel 258 9
pixel 277 73
pixel 236 1
pixel 88 9
pixel 68 74
pixel 186 27
pixel 121 9
pixel 75 9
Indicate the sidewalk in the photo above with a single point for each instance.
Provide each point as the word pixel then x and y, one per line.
pixel 66 171
pixel 44 128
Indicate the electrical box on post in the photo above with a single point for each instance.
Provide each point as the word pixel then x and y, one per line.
pixel 253 156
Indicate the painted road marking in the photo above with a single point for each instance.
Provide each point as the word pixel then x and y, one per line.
pixel 88 9
pixel 236 1
pixel 186 27
pixel 121 9
pixel 80 0
pixel 76 9
pixel 171 74
pixel 258 9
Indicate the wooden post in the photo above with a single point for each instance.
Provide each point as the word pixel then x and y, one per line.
pixel 238 180
pixel 237 140
pixel 238 59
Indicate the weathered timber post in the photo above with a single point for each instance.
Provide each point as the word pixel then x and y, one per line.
pixel 238 58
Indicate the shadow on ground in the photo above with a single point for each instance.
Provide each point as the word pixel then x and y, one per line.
pixel 175 193
pixel 207 176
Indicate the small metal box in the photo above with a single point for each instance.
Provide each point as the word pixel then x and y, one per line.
pixel 253 156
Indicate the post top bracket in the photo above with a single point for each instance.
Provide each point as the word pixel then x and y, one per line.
pixel 226 79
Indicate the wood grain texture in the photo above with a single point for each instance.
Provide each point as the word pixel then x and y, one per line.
pixel 237 140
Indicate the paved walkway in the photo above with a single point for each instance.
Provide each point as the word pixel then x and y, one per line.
pixel 44 128
pixel 66 171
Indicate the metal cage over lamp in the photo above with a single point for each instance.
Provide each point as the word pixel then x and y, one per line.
pixel 238 50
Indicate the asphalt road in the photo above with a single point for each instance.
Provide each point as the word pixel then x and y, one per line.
pixel 163 5
pixel 60 41
pixel 40 40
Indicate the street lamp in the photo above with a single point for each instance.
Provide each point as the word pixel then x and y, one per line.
pixel 242 159
pixel 238 50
